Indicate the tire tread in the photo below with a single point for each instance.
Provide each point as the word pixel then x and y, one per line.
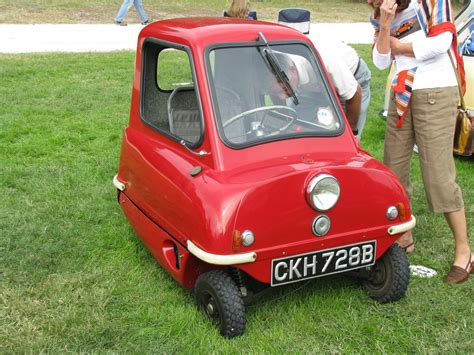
pixel 400 277
pixel 228 294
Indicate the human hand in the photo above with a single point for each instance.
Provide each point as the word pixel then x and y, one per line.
pixel 395 45
pixel 387 12
pixel 399 48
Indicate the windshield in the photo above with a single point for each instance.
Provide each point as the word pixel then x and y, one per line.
pixel 263 93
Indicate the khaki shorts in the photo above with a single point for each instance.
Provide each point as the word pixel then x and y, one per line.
pixel 429 123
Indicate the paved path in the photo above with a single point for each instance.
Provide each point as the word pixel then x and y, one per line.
pixel 105 38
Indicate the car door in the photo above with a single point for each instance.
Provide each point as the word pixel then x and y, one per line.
pixel 158 150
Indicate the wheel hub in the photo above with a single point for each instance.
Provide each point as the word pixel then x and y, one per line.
pixel 378 274
pixel 210 309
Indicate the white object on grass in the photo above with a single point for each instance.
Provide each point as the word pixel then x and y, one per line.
pixel 422 271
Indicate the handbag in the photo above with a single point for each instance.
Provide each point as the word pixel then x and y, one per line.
pixel 463 133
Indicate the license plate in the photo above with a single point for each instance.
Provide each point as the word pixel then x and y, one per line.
pixel 321 263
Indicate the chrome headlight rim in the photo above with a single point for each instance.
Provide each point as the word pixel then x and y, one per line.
pixel 311 187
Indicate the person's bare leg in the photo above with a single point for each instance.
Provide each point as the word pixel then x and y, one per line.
pixel 406 242
pixel 458 225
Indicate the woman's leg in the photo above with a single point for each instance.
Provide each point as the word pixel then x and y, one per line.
pixel 398 146
pixel 458 225
pixel 398 150
pixel 434 112
pixel 123 10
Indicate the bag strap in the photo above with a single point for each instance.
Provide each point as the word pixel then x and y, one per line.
pixel 456 71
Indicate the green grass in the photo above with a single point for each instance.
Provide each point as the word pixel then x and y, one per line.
pixel 104 11
pixel 75 277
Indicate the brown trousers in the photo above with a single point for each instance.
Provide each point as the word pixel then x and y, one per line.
pixel 429 123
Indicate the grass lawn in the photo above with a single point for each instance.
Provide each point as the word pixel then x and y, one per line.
pixel 75 277
pixel 104 11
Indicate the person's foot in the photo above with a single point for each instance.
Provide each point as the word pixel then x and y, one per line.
pixel 406 242
pixel 120 23
pixel 147 22
pixel 458 274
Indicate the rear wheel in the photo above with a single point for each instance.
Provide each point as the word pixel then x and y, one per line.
pixel 389 277
pixel 220 299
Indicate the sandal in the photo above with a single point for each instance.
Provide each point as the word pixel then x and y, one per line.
pixel 459 275
pixel 410 248
pixel 406 242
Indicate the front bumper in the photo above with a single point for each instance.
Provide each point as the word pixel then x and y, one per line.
pixel 216 259
pixel 402 228
pixel 118 184
pixel 245 258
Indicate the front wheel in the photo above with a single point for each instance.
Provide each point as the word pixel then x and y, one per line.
pixel 389 277
pixel 219 298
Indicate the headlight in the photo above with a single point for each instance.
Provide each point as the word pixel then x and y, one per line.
pixel 323 192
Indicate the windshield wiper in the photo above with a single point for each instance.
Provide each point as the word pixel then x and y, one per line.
pixel 277 69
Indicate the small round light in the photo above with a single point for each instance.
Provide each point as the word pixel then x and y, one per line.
pixel 247 238
pixel 323 192
pixel 321 225
pixel 392 213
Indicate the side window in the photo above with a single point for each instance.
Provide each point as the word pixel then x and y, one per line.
pixel 174 69
pixel 169 101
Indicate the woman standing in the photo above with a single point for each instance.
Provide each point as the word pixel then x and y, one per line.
pixel 418 34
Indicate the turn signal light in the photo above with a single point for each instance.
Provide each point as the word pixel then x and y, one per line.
pixel 236 240
pixel 402 211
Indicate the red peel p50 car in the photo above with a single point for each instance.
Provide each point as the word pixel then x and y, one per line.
pixel 239 170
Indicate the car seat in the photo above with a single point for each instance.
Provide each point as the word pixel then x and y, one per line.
pixel 184 115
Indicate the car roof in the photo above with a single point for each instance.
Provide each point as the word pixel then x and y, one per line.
pixel 205 31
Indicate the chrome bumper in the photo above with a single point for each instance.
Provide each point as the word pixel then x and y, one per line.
pixel 404 227
pixel 216 259
pixel 118 185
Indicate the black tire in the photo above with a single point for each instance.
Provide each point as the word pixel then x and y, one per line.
pixel 389 277
pixel 220 299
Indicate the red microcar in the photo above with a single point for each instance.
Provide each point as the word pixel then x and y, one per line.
pixel 239 171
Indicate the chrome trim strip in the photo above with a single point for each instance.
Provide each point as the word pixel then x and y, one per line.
pixel 404 227
pixel 216 259
pixel 119 185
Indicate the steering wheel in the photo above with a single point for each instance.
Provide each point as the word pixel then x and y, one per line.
pixel 240 116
